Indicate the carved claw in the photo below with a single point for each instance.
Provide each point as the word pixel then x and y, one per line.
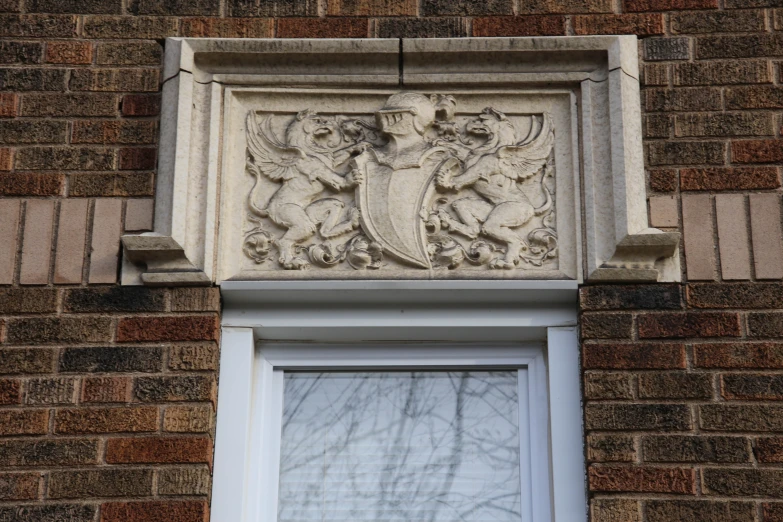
pixel 355 177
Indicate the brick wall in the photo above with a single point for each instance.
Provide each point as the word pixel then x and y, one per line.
pixel 107 393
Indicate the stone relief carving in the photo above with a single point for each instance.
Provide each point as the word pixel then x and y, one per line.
pixel 421 187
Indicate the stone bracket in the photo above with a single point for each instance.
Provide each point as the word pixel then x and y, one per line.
pixel 639 257
pixel 165 261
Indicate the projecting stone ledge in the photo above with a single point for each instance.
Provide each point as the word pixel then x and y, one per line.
pixel 639 257
pixel 165 261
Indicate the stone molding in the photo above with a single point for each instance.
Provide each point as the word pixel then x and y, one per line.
pixel 603 223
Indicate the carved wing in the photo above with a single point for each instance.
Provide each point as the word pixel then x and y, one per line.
pixel 276 160
pixel 524 160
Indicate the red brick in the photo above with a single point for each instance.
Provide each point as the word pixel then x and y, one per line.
pixel 638 24
pixel 24 422
pixel 106 389
pixel 179 328
pixel 141 105
pixel 372 8
pixel 668 5
pixel 757 151
pixel 738 355
pixel 157 511
pixel 730 178
pixel 8 105
pixel 72 53
pixel 679 481
pixel 10 391
pixel 519 26
pixel 138 158
pixel 322 28
pixel 663 180
pixel 644 356
pixel 769 449
pixel 106 420
pixel 688 324
pixel 227 27
pixel 156 450
pixel 19 486
pixel 6 159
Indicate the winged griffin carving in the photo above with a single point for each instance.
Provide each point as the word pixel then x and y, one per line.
pixel 420 187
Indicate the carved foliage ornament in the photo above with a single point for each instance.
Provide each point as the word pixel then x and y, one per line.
pixel 421 187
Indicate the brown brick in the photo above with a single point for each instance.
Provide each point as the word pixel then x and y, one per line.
pixel 676 100
pixel 677 448
pixel 371 8
pixel 769 449
pixel 610 448
pixel 8 105
pixel 632 417
pixel 100 483
pixel 744 417
pixel 20 52
pixel 614 510
pixel 112 359
pixel 757 151
pixel 655 74
pixel 138 80
pixel 740 46
pixel 195 300
pixel 743 482
pixel 141 105
pixel 772 511
pixel 32 131
pixel 174 7
pixel 59 330
pixel 765 324
pixel 608 385
pixel 129 53
pixel 157 511
pixel 6 159
pixel 419 27
pixel 752 386
pixel 197 357
pixel 10 6
pixel 138 158
pixel 106 389
pixel 272 8
pixel 228 27
pixel 55 390
pixel 71 53
pixel 678 481
pixel 675 385
pixel 159 450
pixel 466 7
pixel 27 300
pixel 664 180
pixel 36 452
pixel 19 486
pixel 179 388
pixel 26 360
pixel 624 297
pixel 647 356
pixel 668 5
pixel 64 158
pixel 699 511
pixel 114 299
pixel 657 125
pixel 685 153
pixel 188 419
pixel 130 27
pixel 689 324
pixel 38 26
pixel 122 132
pixel 519 26
pixel 10 391
pixel 180 328
pixel 63 105
pixel 717 22
pixel 606 325
pixel 50 512
pixel 724 124
pixel 23 422
pixel 665 49
pixel 111 184
pixel 29 79
pixel 565 6
pixel 74 6
pixel 754 97
pixel 184 481
pixel 639 24
pixel 738 355
pixel 736 295
pixel 322 28
pixel 734 178
pixel 106 420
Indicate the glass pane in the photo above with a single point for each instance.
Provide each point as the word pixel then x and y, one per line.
pixel 413 446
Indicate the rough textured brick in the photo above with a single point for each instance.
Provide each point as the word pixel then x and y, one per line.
pixel 71 53
pixel 28 79
pixel 628 417
pixel 111 184
pixel 158 511
pixel 27 300
pixel 6 159
pixel 8 105
pixel 772 511
pixel 725 124
pixel 58 330
pixel 184 481
pixel 656 49
pixel 754 97
pixel 647 356
pixel 111 359
pixel 195 300
pixel 16 361
pixel 272 8
pixel 188 419
pixel 57 390
pixel 606 325
pixel 745 417
pixel 181 328
pixel 197 357
pixel 676 448
pixel 228 28
pixel 100 483
pixel 565 6
pixel 421 27
pixel 604 385
pixel 699 511
pixel 717 22
pixel 142 27
pixel 680 481
pixel 49 513
pixel 63 105
pixel 19 486
pixel 121 132
pixel 10 391
pixel 106 420
pixel 20 52
pixel 38 26
pixel 668 5
pixel 675 385
pixel 737 295
pixel 466 7
pixel 623 297
pixel 372 8
pixel 65 158
pixel 141 105
pixel 743 482
pixel 138 158
pixel 31 184
pixel 688 324
pixel 685 153
pixel 115 299
pixel 129 53
pixel 769 449
pixel 614 510
pixel 322 28
pixel 741 178
pixel 610 448
pixel 663 180
pixel 519 26
pixel 179 388
pixel 657 125
pixel 676 100
pixel 159 450
pixel 74 6
pixel 24 422
pixel 106 389
pixel 639 24
pixel 757 151
pixel 134 80
pixel 174 7
pixel 29 453
pixel 738 355
pixel 744 46
pixel 762 324
pixel 32 131
pixel 752 386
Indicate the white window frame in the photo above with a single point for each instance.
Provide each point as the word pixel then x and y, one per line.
pixel 257 315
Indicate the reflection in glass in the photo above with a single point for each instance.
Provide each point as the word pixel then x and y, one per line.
pixel 394 446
